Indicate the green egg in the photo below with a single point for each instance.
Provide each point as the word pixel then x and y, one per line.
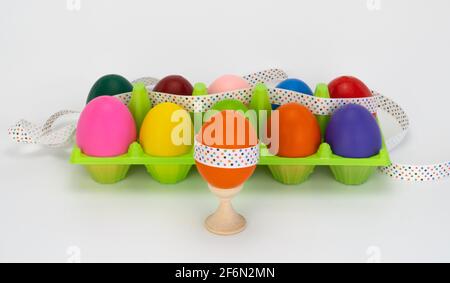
pixel 230 104
pixel 227 104
pixel 109 85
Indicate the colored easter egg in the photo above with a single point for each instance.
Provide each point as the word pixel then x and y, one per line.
pixel 227 104
pixel 106 128
pixel 109 85
pixel 298 131
pixel 353 132
pixel 167 131
pixel 174 85
pixel 230 104
pixel 293 85
pixel 237 124
pixel 348 87
pixel 228 83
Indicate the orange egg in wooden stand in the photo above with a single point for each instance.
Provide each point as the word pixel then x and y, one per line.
pixel 226 154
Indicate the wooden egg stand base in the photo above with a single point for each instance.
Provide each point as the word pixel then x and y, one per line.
pixel 225 221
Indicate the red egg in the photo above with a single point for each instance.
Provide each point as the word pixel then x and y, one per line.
pixel 174 85
pixel 348 87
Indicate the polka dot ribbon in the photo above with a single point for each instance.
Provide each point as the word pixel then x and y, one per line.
pixel 49 135
pixel 417 172
pixel 226 158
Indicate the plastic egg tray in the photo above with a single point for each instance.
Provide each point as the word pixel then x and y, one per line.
pixel 289 171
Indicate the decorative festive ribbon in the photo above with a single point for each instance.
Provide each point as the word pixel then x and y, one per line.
pixel 26 132
pixel 29 133
pixel 226 158
pixel 46 135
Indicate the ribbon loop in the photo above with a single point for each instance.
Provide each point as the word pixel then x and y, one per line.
pixel 29 133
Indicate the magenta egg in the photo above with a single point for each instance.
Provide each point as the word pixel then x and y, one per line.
pixel 106 128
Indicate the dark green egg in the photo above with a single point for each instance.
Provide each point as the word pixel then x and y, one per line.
pixel 109 85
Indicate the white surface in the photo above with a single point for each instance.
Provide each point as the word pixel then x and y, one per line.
pixel 50 56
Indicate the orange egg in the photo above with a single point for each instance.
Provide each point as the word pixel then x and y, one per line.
pixel 299 132
pixel 227 130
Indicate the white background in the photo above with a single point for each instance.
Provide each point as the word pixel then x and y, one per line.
pixel 50 56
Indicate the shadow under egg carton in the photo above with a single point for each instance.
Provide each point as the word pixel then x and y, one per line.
pixel 289 171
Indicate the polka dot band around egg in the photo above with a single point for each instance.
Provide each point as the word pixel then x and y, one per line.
pixel 226 158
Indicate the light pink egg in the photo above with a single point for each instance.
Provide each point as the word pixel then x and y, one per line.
pixel 228 83
pixel 106 128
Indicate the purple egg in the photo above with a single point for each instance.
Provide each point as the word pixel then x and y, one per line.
pixel 353 132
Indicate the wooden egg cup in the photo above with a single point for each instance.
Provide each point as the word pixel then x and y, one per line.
pixel 225 221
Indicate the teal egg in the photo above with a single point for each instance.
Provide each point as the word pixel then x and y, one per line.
pixel 109 85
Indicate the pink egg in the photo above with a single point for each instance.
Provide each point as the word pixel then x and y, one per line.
pixel 228 83
pixel 106 128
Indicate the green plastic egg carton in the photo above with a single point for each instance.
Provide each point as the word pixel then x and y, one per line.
pixel 109 170
pixel 289 171
pixel 349 171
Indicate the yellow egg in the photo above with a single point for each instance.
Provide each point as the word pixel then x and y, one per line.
pixel 167 131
